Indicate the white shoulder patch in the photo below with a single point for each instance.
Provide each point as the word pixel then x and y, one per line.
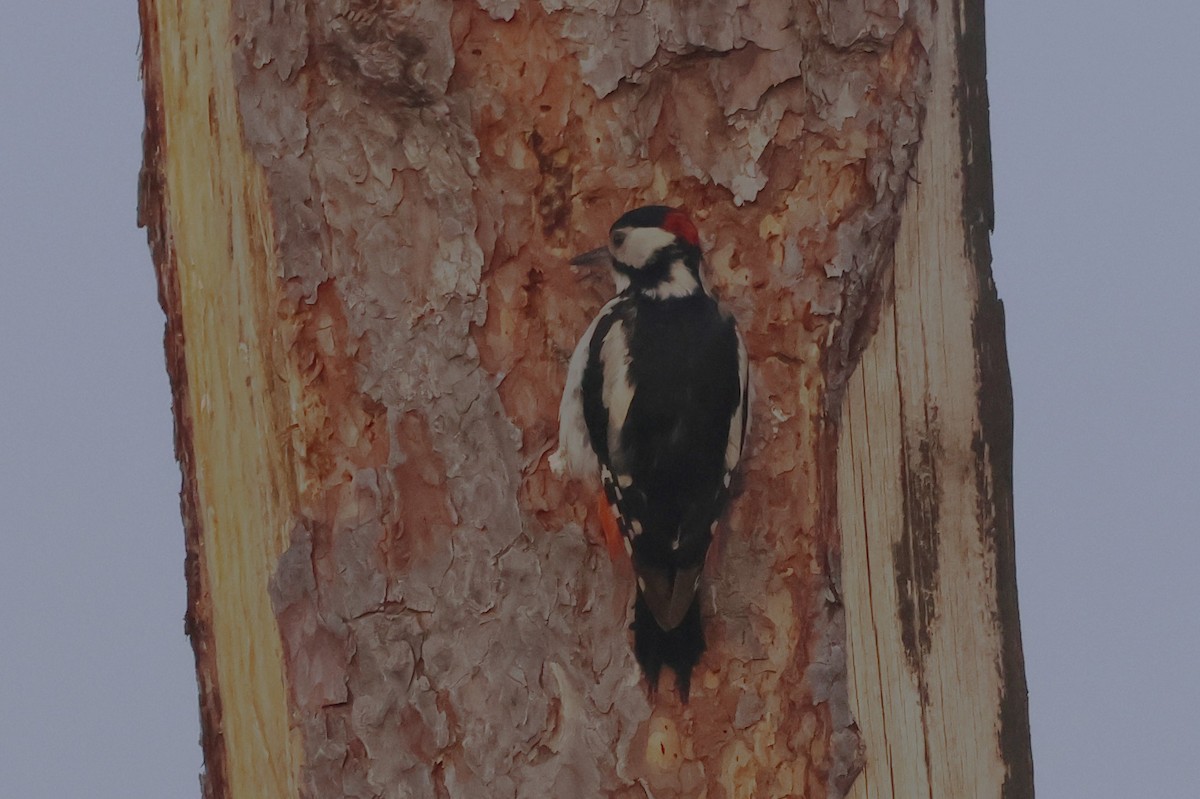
pixel 617 387
pixel 739 425
pixel 574 455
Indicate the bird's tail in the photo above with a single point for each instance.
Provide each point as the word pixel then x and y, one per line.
pixel 679 648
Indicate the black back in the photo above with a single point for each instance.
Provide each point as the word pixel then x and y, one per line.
pixel 684 369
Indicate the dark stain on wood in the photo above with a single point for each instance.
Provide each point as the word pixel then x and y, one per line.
pixel 916 553
pixel 553 197
pixel 993 445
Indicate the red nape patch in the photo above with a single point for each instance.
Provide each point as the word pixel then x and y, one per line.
pixel 677 222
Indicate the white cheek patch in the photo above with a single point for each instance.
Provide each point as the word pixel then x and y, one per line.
pixel 680 282
pixel 640 244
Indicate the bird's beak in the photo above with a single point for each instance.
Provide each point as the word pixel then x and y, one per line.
pixel 597 257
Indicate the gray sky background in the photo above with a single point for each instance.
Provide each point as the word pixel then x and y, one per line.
pixel 1094 122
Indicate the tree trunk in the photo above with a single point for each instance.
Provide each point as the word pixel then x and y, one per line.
pixel 925 476
pixel 361 223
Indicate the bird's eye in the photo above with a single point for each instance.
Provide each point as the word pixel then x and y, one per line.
pixel 618 238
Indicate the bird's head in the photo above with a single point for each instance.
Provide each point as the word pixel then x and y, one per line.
pixel 655 248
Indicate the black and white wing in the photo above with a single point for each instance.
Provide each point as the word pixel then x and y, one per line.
pixel 575 455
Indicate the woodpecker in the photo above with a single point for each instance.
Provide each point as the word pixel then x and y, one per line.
pixel 656 405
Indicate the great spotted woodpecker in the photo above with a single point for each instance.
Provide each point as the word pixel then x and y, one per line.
pixel 656 404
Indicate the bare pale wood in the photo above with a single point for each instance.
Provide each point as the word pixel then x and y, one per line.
pixel 924 478
pixel 205 203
